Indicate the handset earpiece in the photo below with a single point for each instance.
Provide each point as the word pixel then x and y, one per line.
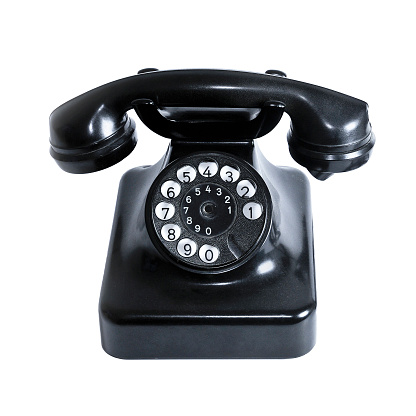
pixel 330 132
pixel 88 136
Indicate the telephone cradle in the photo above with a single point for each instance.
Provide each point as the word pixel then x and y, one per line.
pixel 211 252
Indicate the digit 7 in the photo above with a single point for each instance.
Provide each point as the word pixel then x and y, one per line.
pixel 166 212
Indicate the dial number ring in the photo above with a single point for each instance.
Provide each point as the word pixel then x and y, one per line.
pixel 208 211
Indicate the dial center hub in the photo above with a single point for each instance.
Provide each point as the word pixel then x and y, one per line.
pixel 208 209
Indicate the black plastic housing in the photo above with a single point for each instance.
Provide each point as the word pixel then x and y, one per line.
pixel 330 131
pixel 264 308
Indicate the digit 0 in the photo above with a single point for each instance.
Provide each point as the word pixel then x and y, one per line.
pixel 209 255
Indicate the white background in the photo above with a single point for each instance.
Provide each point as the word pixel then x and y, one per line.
pixel 55 226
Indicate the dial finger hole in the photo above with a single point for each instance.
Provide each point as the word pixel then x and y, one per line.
pixel 186 247
pixel 246 188
pixel 208 253
pixel 229 174
pixel 186 174
pixel 170 232
pixel 170 189
pixel 164 211
pixel 252 210
pixel 208 169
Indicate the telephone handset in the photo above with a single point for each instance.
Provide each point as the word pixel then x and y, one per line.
pixel 211 253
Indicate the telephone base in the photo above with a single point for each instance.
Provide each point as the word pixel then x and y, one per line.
pixel 264 308
pixel 210 337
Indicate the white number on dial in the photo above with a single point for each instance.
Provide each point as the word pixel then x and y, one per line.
pixel 246 188
pixel 252 210
pixel 208 254
pixel 229 174
pixel 186 174
pixel 208 169
pixel 164 210
pixel 186 247
pixel 170 232
pixel 170 189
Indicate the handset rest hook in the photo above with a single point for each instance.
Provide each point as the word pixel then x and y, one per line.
pixel 209 123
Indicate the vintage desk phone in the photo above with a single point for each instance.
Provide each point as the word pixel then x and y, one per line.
pixel 211 252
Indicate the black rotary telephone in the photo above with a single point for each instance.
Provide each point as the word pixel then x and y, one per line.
pixel 211 253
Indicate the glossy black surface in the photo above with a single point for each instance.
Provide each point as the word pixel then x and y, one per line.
pixel 330 131
pixel 151 305
pixel 263 308
pixel 209 123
